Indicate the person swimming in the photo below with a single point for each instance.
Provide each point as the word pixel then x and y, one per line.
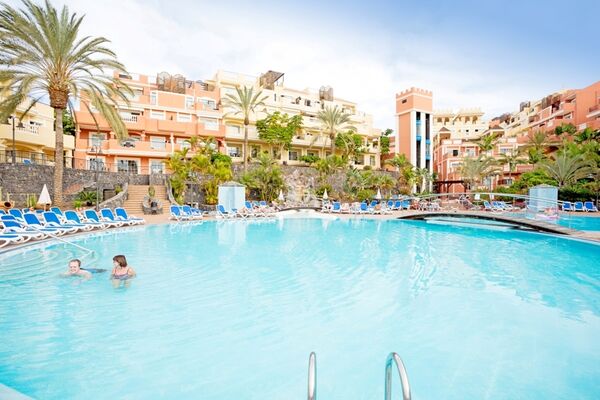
pixel 121 272
pixel 76 270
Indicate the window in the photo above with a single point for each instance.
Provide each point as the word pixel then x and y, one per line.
pixel 254 150
pixel 157 143
pixel 207 104
pixel 470 152
pixel 359 161
pixel 372 160
pixel 96 164
pixel 233 129
pixel 454 153
pixel 312 153
pixel 184 117
pixel 505 150
pixel 154 97
pixel 234 151
pixel 276 154
pixel 404 101
pixel 307 103
pixel 189 102
pixel 157 114
pixel 130 166
pixel 183 143
pixel 211 124
pixel 293 155
pixel 135 96
pixel 157 167
pixel 96 139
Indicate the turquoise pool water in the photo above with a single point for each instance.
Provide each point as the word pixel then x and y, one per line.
pixel 580 223
pixel 231 310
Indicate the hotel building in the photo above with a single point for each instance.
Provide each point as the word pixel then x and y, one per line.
pixel 34 136
pixel 165 111
pixel 414 131
pixel 455 138
pixel 306 102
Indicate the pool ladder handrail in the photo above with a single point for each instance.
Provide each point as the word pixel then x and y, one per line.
pixel 394 357
pixel 312 376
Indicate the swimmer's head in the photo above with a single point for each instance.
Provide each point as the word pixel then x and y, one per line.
pixel 74 265
pixel 121 260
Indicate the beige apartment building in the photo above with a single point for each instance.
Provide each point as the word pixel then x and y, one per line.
pixel 34 139
pixel 306 102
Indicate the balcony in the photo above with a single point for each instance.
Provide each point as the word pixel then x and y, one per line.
pixel 35 135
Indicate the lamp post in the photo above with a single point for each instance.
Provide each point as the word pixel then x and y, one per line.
pixel 14 142
pixel 98 151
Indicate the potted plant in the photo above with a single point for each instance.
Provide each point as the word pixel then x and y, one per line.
pixel 151 191
pixel 118 189
pixel 89 198
pixel 31 201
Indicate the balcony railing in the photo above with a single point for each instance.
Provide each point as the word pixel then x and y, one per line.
pixel 129 118
pixel 29 129
pixel 31 158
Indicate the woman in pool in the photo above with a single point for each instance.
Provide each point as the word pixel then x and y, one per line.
pixel 121 272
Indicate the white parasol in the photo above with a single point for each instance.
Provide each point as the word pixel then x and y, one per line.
pixel 44 198
pixel 325 197
pixel 378 195
pixel 281 198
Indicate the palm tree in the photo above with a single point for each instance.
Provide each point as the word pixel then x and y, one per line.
pixel 511 159
pixel 43 55
pixel 536 146
pixel 568 129
pixel 587 135
pixel 474 170
pixel 245 102
pixel 568 168
pixel 486 143
pixel 399 161
pixel 334 120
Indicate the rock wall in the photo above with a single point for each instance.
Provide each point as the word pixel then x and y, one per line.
pixel 20 180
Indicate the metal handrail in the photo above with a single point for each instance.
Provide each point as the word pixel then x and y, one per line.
pixel 394 357
pixel 312 376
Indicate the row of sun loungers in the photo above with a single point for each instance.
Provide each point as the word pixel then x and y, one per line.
pixel 186 213
pixel 499 206
pixel 587 206
pixel 21 226
pixel 256 209
pixel 366 208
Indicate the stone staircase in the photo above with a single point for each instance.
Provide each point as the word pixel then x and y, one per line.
pixel 136 194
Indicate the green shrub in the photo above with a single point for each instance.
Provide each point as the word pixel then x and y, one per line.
pixel 321 189
pixel 576 193
pixel 365 194
pixel 309 159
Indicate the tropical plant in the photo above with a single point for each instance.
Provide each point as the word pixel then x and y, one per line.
pixel 399 161
pixel 151 191
pixel 309 158
pixel 43 55
pixel 568 129
pixel 88 197
pixel 68 123
pixel 266 178
pixel 474 170
pixel 512 159
pixel 333 121
pixel 567 169
pixel 328 166
pixel 385 182
pixel 487 142
pixel 245 103
pixel 533 178
pixel 587 135
pixel 279 129
pixel 351 144
pixel 384 142
pixel 179 166
pixel 424 178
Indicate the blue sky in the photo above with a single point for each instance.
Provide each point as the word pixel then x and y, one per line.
pixel 488 54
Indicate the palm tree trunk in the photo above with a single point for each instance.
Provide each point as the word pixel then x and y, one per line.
pixel 332 138
pixel 245 151
pixel 58 159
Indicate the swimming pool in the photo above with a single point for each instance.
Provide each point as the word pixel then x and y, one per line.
pixel 580 223
pixel 232 309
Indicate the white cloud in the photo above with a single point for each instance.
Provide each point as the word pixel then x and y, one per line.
pixel 361 64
